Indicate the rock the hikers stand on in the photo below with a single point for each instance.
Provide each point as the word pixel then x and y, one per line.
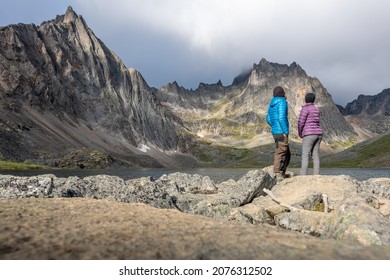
pixel 310 130
pixel 277 118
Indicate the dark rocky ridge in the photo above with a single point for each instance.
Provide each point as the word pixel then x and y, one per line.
pixel 370 111
pixel 370 105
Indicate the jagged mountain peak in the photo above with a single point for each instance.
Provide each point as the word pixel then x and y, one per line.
pixel 70 10
pixel 70 15
pixel 215 86
pixel 276 68
pixel 263 61
pixel 71 18
pixel 265 67
pixel 172 87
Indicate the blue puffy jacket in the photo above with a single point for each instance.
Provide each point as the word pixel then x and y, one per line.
pixel 277 116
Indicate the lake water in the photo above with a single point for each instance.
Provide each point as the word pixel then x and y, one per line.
pixel 217 174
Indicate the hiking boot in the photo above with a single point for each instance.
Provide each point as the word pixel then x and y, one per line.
pixel 279 177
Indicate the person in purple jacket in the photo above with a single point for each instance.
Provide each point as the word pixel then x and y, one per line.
pixel 310 130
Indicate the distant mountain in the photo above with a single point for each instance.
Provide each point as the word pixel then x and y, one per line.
pixel 235 115
pixel 370 112
pixel 67 100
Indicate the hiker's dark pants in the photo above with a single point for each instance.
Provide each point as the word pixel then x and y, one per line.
pixel 282 153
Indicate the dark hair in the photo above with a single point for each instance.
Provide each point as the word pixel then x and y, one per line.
pixel 279 91
pixel 310 97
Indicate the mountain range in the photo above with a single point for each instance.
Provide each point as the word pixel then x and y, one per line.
pixel 67 100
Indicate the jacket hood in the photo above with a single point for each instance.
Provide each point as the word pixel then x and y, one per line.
pixel 276 100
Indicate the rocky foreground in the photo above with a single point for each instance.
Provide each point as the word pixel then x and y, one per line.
pixel 182 216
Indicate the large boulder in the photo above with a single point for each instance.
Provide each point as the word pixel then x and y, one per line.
pixel 358 210
pixel 22 187
pixel 195 194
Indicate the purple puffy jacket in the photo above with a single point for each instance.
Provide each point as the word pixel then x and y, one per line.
pixel 309 120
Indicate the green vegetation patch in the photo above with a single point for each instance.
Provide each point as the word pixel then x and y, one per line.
pixel 343 144
pixel 371 154
pixel 229 127
pixel 207 152
pixel 10 165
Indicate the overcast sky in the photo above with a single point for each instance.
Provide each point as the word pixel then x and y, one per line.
pixel 344 43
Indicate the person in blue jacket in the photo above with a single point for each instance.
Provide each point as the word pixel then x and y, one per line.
pixel 277 118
